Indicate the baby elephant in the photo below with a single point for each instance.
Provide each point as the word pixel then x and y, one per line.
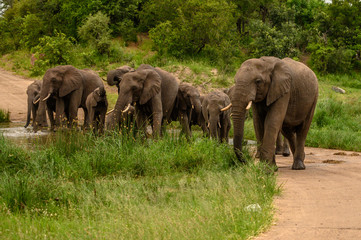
pixel 217 115
pixel 97 105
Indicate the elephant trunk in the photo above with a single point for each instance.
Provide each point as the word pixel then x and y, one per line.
pixel 41 112
pixel 214 127
pixel 122 104
pixel 197 111
pixel 30 104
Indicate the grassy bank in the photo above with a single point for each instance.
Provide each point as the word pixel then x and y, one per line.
pixel 115 187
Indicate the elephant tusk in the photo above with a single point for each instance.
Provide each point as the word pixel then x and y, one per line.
pixel 47 97
pixel 249 105
pixel 35 102
pixel 110 111
pixel 126 109
pixel 192 106
pixel 226 108
pixel 209 124
pixel 219 125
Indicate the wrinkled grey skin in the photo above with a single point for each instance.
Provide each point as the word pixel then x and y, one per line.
pixel 126 121
pixel 282 147
pixel 114 77
pixel 188 108
pixel 284 95
pixel 218 122
pixel 97 105
pixel 32 91
pixel 153 92
pixel 70 87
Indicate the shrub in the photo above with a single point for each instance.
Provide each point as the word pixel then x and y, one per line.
pixel 96 31
pixel 4 116
pixel 271 41
pixel 326 58
pixel 51 50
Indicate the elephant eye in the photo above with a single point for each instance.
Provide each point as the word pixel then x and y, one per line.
pixel 258 81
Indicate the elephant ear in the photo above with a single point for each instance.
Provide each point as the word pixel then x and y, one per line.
pixel 72 80
pixel 151 86
pixel 280 82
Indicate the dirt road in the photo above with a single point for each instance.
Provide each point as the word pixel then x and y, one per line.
pixel 322 202
pixel 13 95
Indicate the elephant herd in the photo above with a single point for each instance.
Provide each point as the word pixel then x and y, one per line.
pixel 282 92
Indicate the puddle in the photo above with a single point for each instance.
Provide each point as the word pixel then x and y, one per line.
pixel 329 161
pixel 17 134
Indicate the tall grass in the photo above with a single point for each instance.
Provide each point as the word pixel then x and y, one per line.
pixel 4 116
pixel 116 187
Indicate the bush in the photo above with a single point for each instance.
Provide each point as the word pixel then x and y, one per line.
pixel 326 58
pixel 51 50
pixel 197 26
pixel 4 116
pixel 270 41
pixel 96 31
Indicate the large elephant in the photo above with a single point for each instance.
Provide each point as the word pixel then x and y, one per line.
pixel 153 92
pixel 284 95
pixel 188 108
pixel 97 105
pixel 216 116
pixel 70 87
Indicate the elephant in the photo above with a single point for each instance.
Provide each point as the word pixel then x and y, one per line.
pixel 283 94
pixel 153 91
pixel 115 76
pixel 97 105
pixel 70 87
pixel 32 91
pixel 188 108
pixel 216 116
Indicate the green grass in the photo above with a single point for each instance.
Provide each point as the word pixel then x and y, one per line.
pixel 4 116
pixel 115 187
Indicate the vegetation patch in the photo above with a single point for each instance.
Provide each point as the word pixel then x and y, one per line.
pixel 4 116
pixel 117 187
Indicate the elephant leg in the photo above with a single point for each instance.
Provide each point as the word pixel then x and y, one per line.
pixel 286 149
pixel 258 124
pixel 59 112
pixel 51 118
pixel 279 144
pixel 290 137
pixel 141 120
pixel 89 119
pixel 272 126
pixel 184 121
pixel 33 110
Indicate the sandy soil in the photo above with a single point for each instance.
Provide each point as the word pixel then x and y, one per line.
pixel 321 202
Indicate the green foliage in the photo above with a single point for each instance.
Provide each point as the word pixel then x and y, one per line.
pixel 270 41
pixel 52 50
pixel 96 31
pixel 196 26
pixel 4 116
pixel 326 58
pixel 32 30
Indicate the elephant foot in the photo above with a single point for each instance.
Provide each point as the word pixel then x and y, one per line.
pixel 278 151
pixel 298 165
pixel 286 152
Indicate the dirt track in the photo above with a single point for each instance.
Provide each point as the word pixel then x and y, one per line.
pixel 322 202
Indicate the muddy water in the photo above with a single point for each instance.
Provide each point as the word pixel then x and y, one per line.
pixel 17 134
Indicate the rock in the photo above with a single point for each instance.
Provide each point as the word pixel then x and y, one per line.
pixel 338 90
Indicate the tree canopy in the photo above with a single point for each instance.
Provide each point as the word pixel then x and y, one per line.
pixel 220 30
